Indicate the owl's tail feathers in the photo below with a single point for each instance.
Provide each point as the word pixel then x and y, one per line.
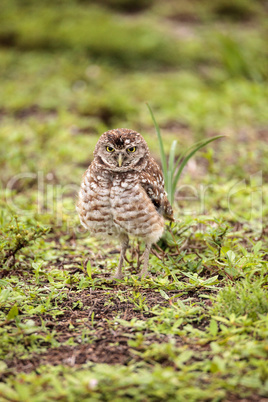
pixel 169 217
pixel 167 210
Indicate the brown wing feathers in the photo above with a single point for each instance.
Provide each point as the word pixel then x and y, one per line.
pixel 152 181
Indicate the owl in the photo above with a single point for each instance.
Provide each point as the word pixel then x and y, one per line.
pixel 122 193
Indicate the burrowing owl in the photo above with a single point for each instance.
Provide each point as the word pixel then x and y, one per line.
pixel 122 193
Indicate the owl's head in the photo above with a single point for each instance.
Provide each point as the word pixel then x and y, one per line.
pixel 121 150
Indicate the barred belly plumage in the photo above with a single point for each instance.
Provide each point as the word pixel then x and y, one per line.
pixel 116 207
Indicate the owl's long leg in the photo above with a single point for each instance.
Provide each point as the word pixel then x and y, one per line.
pixel 144 271
pixel 124 245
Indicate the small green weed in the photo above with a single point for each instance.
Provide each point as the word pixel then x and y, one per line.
pixel 15 236
pixel 242 298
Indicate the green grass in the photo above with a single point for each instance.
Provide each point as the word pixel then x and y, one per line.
pixel 243 299
pixel 197 329
pixel 172 170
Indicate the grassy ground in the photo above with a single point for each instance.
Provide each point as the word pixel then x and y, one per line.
pixel 197 329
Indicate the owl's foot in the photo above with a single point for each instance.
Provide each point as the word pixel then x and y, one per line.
pixel 117 276
pixel 145 274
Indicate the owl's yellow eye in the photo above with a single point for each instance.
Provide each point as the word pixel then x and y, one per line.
pixel 131 149
pixel 110 149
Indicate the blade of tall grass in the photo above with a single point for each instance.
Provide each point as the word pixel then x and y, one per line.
pixel 168 185
pixel 187 158
pixel 161 146
pixel 171 158
pixel 184 154
pixel 171 170
pixel 187 151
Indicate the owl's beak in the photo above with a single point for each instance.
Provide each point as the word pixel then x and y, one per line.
pixel 120 160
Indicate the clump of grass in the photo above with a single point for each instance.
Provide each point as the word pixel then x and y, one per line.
pixel 241 299
pixel 14 236
pixel 172 169
pixel 126 5
pixel 238 61
pixel 86 30
pixel 239 10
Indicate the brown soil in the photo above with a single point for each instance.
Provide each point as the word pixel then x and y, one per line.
pixel 95 339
